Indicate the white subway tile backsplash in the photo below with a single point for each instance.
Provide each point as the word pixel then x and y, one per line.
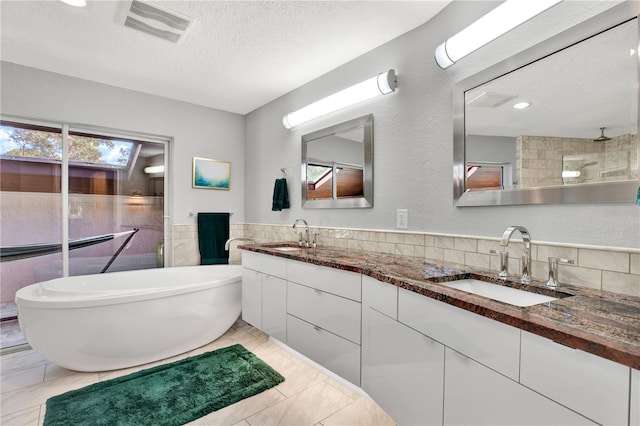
pixel 621 283
pixel 605 260
pixel 454 256
pixel 445 242
pixel 546 251
pixel 434 253
pixel 414 239
pixel 580 276
pixel 388 248
pixel 396 238
pixel 404 250
pixel 635 264
pixel 429 240
pixel 477 260
pixel 466 244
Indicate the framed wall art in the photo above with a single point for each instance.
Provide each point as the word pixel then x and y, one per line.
pixel 211 174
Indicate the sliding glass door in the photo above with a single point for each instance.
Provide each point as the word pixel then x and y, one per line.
pixel 30 212
pixel 98 196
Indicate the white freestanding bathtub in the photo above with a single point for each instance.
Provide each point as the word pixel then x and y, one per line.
pixel 121 319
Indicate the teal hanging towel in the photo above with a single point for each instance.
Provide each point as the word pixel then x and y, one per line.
pixel 213 233
pixel 280 195
pixel 638 197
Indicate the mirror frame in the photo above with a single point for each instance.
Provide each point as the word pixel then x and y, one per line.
pixel 366 201
pixel 609 192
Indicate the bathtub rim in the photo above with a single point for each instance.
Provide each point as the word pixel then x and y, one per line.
pixel 31 296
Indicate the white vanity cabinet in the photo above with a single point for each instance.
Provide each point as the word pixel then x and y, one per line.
pixel 264 293
pixel 593 386
pixel 477 395
pixel 324 316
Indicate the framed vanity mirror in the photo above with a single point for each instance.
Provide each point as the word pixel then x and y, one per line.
pixel 557 123
pixel 337 166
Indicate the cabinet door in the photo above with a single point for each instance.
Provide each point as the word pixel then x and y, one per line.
pixel 252 297
pixel 477 395
pixel 593 386
pixel 404 373
pixel 635 398
pixel 274 307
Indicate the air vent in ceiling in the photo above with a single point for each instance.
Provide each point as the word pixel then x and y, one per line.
pixel 157 21
pixel 490 99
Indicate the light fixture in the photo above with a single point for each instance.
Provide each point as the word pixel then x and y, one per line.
pixel 154 169
pixel 382 84
pixel 499 21
pixel 521 105
pixel 570 173
pixel 75 3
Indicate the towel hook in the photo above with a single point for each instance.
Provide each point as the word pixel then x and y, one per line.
pixel 284 171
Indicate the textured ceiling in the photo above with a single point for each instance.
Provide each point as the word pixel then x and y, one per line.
pixel 238 56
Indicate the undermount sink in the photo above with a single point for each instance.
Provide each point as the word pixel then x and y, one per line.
pixel 498 292
pixel 286 248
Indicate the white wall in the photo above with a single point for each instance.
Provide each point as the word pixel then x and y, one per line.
pixel 196 131
pixel 413 141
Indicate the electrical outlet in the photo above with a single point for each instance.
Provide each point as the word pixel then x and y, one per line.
pixel 402 218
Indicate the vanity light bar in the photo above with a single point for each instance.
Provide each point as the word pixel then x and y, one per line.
pixel 382 84
pixel 499 21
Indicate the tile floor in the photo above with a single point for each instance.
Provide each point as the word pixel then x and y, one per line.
pixel 306 397
pixel 10 333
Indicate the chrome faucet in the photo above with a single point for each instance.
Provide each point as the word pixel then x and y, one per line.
pixel 526 252
pixel 301 241
pixel 227 245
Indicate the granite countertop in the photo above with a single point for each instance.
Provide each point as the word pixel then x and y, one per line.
pixel 603 323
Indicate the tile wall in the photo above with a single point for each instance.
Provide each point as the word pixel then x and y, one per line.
pixel 607 268
pixel 540 160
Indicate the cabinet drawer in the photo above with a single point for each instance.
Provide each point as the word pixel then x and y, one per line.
pixel 333 352
pixel 333 313
pixel 270 265
pixel 489 342
pixel 476 395
pixel 593 386
pixel 382 297
pixel 343 283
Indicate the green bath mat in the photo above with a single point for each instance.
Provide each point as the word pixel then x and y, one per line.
pixel 170 394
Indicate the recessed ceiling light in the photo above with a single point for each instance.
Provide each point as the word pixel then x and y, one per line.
pixel 75 3
pixel 522 105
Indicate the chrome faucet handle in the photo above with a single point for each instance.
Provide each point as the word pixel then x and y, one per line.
pixel 553 269
pixel 314 242
pixel 504 262
pixel 526 268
